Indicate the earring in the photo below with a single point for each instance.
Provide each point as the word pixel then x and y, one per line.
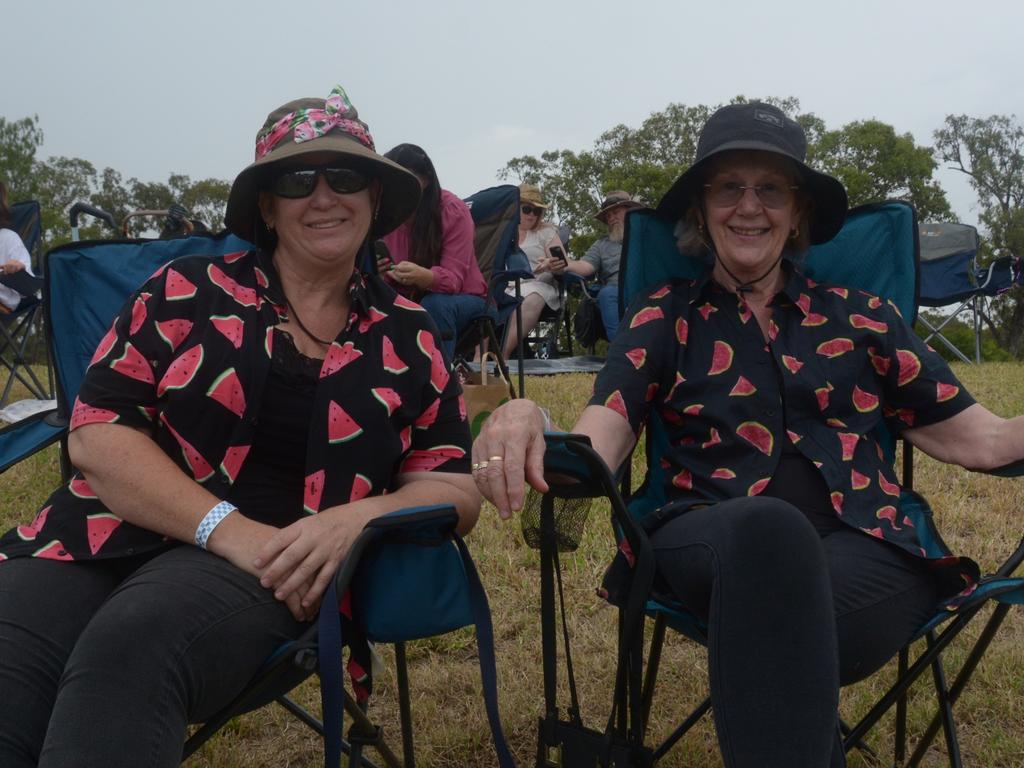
pixel 794 234
pixel 270 226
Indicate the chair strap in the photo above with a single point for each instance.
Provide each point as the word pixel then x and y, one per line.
pixel 332 680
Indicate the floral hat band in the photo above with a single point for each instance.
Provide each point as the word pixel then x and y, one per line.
pixel 311 123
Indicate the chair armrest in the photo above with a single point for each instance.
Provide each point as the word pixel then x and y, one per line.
pixel 29 436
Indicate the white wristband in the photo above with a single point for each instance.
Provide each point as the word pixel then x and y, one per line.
pixel 211 520
pixel 547 418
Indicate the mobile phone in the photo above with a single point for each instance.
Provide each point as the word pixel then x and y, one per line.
pixel 557 252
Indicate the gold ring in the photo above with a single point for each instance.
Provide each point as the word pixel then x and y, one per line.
pixel 482 465
pixel 474 466
pixel 496 458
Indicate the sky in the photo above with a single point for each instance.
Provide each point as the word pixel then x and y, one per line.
pixel 153 88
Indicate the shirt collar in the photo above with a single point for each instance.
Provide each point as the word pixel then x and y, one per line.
pixel 274 292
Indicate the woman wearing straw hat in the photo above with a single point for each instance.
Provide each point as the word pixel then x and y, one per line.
pixel 536 238
pixel 236 430
pixel 782 527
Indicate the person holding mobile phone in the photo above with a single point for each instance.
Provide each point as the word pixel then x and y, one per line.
pixel 602 258
pixel 537 239
pixel 430 257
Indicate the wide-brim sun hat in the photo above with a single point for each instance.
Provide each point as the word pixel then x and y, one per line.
pixel 307 126
pixel 617 199
pixel 764 128
pixel 530 194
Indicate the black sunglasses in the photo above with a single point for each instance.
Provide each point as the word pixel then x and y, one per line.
pixel 301 183
pixel 529 210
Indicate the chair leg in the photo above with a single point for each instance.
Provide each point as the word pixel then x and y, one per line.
pixel 900 747
pixel 945 708
pixel 653 662
pixel 962 678
pixel 404 705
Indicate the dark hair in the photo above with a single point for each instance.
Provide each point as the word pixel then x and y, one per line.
pixel 5 210
pixel 426 236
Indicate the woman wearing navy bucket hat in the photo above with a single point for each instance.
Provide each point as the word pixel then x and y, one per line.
pixel 782 528
pixel 241 422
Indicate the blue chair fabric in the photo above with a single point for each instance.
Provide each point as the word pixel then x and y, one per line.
pixel 952 277
pixel 495 213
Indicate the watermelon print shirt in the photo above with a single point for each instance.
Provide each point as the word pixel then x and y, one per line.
pixel 838 364
pixel 187 361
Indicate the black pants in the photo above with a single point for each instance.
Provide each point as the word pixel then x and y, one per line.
pixel 105 663
pixel 791 616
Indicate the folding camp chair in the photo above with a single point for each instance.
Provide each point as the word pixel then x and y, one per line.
pixel 884 239
pixel 950 276
pixel 87 283
pixel 21 333
pixel 495 213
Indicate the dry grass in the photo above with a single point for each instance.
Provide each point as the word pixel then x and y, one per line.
pixel 979 515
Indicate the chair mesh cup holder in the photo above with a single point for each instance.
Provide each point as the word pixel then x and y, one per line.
pixel 571 510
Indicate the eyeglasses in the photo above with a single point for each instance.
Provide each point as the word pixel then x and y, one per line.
pixel 299 184
pixel 724 194
pixel 529 210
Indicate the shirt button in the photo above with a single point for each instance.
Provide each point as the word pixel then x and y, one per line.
pixel 61 552
pixel 130 551
pixel 769 412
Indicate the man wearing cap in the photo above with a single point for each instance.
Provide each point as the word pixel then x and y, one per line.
pixel 602 258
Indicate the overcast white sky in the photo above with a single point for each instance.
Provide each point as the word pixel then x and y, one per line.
pixel 150 88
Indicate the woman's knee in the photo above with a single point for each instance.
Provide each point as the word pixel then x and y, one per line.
pixel 765 527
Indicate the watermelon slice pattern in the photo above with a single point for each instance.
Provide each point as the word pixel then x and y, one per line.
pixel 202 331
pixel 846 359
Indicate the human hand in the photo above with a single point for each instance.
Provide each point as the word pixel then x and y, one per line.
pixel 10 267
pixel 240 541
pixel 299 561
pixel 412 275
pixel 509 451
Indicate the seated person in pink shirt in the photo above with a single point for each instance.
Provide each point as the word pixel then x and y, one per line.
pixel 434 261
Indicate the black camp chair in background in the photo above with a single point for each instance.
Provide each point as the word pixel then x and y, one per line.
pixel 884 238
pixel 495 213
pixel 22 344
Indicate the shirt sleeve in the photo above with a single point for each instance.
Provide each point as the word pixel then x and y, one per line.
pixel 121 382
pixel 440 435
pixel 593 256
pixel 457 249
pixel 633 372
pixel 918 385
pixel 13 249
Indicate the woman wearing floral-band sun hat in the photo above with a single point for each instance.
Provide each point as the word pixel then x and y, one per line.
pixel 221 477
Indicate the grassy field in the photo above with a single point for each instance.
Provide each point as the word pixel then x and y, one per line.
pixel 978 515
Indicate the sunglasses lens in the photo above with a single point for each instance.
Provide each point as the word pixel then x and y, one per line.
pixel 298 184
pixel 529 210
pixel 345 181
pixel 295 184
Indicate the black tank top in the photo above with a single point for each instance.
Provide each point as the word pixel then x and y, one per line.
pixel 270 486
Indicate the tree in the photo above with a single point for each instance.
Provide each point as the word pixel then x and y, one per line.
pixel 990 151
pixel 874 163
pixel 869 157
pixel 19 141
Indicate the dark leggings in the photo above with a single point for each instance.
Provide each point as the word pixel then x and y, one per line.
pixel 791 616
pixel 103 667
